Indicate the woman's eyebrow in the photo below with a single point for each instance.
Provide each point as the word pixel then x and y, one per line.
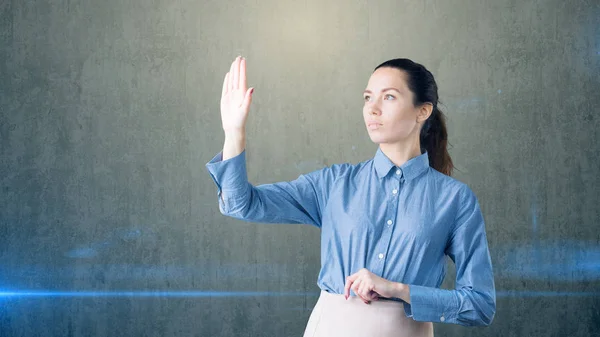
pixel 386 89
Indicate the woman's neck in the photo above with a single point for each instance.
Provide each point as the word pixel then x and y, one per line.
pixel 400 153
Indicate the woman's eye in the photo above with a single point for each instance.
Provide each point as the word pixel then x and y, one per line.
pixel 368 98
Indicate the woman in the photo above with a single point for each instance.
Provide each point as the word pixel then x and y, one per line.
pixel 386 223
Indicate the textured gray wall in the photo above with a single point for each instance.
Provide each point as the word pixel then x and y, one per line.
pixel 110 109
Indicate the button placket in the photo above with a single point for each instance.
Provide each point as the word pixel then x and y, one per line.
pixel 391 213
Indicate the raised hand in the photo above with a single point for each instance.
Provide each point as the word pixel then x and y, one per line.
pixel 235 98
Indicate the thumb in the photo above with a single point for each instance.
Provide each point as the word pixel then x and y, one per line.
pixel 248 98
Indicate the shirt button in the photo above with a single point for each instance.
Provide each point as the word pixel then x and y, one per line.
pixel 380 256
pixel 398 172
pixel 395 191
pixel 442 318
pixel 389 222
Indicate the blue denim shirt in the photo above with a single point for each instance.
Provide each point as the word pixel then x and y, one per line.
pixel 397 222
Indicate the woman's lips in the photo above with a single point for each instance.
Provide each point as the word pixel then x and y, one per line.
pixel 373 125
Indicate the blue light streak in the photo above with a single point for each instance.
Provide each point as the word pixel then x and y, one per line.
pixel 236 294
pixel 206 294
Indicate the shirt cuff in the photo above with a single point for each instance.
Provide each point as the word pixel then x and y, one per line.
pixel 229 175
pixel 428 304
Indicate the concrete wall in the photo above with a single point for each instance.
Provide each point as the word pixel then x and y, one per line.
pixel 109 110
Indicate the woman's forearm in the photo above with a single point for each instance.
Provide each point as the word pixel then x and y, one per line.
pixel 402 291
pixel 235 142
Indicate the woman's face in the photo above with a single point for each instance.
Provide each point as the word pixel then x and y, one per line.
pixel 389 113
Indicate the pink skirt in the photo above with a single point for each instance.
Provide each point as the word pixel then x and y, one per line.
pixel 333 316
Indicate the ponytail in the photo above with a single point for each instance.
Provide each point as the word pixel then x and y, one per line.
pixel 434 140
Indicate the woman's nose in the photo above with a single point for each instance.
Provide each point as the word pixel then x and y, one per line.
pixel 375 111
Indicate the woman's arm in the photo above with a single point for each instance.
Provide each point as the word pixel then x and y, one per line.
pixel 297 201
pixel 473 301
pixel 235 143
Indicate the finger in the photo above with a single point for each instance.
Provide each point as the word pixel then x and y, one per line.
pixel 236 73
pixel 370 296
pixel 363 291
pixel 225 86
pixel 347 288
pixel 373 296
pixel 349 281
pixel 356 288
pixel 231 73
pixel 243 84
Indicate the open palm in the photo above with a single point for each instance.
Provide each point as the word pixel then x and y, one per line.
pixel 236 97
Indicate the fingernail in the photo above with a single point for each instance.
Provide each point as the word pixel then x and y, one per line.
pixel 252 90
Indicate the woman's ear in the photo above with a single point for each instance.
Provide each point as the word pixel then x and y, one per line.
pixel 424 112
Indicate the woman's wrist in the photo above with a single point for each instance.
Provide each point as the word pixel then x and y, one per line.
pixel 235 142
pixel 402 291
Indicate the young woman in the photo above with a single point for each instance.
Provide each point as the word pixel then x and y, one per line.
pixel 386 223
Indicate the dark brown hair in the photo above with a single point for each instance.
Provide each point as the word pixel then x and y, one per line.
pixel 434 136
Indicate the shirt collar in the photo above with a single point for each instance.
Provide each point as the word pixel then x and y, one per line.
pixel 411 169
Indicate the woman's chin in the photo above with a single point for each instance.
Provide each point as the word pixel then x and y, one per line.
pixel 376 139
